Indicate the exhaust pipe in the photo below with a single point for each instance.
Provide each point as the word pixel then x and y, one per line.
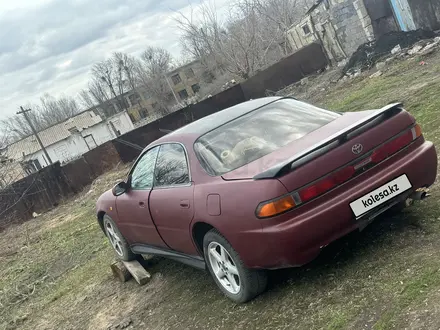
pixel 420 194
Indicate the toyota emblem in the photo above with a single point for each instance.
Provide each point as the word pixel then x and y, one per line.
pixel 357 148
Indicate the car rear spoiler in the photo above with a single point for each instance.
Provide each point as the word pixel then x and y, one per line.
pixel 331 142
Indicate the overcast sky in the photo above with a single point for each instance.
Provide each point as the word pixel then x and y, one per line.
pixel 50 45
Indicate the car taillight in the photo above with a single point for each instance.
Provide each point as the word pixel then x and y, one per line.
pixel 416 131
pixel 288 202
pixel 396 144
pixel 326 184
pixel 274 207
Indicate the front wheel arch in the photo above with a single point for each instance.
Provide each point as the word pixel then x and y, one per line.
pixel 100 217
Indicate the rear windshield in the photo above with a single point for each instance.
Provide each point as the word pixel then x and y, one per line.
pixel 258 133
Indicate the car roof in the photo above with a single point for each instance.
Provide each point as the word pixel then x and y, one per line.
pixel 210 122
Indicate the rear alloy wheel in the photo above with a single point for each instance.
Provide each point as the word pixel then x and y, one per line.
pixel 224 267
pixel 117 241
pixel 237 282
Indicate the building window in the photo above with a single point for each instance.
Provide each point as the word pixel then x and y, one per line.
pixel 134 99
pixel 306 29
pixel 189 73
pixel 195 88
pixel 133 120
pixel 143 113
pixel 183 94
pixel 176 79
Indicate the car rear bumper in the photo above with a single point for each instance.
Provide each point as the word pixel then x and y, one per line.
pixel 296 238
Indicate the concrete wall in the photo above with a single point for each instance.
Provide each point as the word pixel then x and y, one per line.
pixel 352 24
pixel 341 26
pixel 382 17
pixel 101 133
pixel 62 151
pixel 426 13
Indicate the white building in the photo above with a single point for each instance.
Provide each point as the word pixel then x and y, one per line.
pixel 68 140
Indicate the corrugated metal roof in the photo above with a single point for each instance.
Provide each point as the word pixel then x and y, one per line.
pixel 52 135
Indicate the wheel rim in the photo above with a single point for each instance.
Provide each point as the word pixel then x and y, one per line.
pixel 114 238
pixel 224 268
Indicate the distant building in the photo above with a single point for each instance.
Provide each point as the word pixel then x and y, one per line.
pixel 64 142
pixel 185 80
pixel 341 26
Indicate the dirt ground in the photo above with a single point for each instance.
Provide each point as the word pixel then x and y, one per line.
pixel 55 270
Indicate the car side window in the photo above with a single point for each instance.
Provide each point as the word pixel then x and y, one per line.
pixel 172 167
pixel 143 174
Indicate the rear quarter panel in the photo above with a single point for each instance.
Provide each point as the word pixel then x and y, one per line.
pixel 237 221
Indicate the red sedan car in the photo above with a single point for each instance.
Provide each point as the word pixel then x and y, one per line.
pixel 264 185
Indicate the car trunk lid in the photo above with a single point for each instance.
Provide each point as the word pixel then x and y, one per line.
pixel 340 142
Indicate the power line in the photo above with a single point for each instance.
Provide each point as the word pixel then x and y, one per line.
pixel 25 114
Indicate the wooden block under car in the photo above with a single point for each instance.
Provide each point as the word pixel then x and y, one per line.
pixel 124 270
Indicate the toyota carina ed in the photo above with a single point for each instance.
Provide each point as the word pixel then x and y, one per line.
pixel 265 184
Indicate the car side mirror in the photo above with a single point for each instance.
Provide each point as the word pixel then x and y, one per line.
pixel 120 188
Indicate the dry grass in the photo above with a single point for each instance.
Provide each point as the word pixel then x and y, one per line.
pixel 386 277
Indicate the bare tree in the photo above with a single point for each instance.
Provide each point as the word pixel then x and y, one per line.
pixel 54 110
pixel 109 74
pixel 278 16
pixel 157 61
pixel 86 99
pixel 201 31
pixel 151 73
pixel 248 41
pixel 98 91
pixel 125 65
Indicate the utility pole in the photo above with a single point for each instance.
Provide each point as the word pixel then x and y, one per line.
pixel 172 90
pixel 25 114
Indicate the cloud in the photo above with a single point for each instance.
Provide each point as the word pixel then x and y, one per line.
pixel 50 45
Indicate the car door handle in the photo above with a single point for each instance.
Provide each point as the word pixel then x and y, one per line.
pixel 142 204
pixel 184 204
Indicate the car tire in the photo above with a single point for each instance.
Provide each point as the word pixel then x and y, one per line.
pixel 117 241
pixel 226 266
